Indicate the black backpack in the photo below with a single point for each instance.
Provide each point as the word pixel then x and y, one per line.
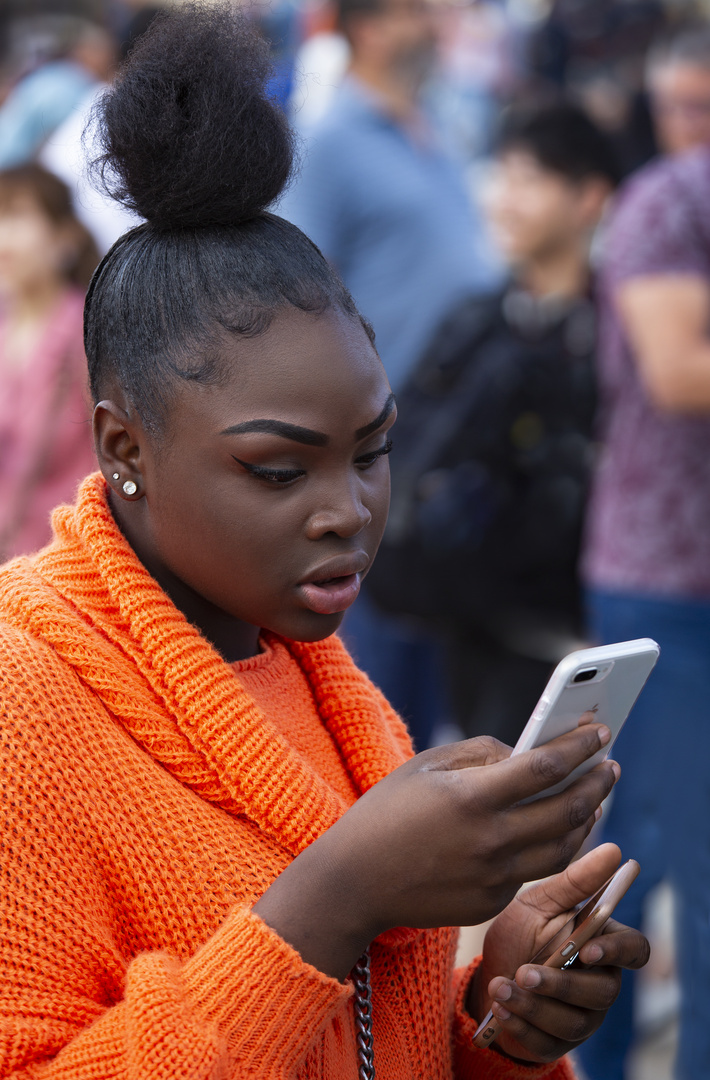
pixel 490 468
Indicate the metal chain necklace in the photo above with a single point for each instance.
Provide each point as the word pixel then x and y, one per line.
pixel 363 1017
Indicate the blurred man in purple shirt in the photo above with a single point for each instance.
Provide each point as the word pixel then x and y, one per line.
pixel 647 565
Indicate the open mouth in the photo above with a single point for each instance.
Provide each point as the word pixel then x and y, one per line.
pixel 330 595
pixel 334 582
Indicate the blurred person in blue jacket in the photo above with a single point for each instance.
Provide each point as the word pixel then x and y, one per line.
pixel 42 99
pixel 381 198
pixel 378 193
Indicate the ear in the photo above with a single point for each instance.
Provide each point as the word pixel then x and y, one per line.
pixel 119 438
pixel 595 193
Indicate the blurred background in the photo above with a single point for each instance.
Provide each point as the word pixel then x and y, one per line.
pixel 470 166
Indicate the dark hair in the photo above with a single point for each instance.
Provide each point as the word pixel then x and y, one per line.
pixel 562 138
pixel 346 10
pixel 688 45
pixel 192 142
pixel 53 198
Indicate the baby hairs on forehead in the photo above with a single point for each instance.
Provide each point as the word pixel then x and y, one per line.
pixel 193 142
pixel 166 305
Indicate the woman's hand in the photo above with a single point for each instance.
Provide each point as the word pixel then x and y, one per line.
pixel 441 841
pixel 546 1012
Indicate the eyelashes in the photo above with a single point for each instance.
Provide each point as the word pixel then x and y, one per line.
pixel 287 476
pixel 276 476
pixel 368 459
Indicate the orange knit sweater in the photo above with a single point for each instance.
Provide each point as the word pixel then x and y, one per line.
pixel 147 802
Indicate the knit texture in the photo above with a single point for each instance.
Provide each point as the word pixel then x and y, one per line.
pixel 147 803
pixel 294 713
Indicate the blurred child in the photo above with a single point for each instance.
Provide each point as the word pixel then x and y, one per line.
pixel 495 434
pixel 46 260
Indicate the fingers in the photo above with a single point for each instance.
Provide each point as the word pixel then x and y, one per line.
pixel 548 833
pixel 537 770
pixel 535 860
pixel 563 1010
pixel 541 838
pixel 548 1010
pixel 596 990
pixel 619 946
pixel 570 808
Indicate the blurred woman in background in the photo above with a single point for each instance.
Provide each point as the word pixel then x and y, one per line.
pixel 46 261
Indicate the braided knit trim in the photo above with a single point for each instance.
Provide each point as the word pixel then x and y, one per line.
pixel 89 597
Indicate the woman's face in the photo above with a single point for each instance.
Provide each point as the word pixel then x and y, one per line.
pixel 269 495
pixel 32 246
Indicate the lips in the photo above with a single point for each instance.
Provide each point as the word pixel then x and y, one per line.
pixel 334 585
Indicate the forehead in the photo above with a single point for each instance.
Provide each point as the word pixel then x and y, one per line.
pixel 319 371
pixel 681 74
pixel 15 200
pixel 517 156
pixel 520 161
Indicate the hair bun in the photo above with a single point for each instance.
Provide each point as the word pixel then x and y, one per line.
pixel 188 133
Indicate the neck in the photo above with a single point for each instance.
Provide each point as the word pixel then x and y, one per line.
pixel 399 95
pixel 231 637
pixel 561 273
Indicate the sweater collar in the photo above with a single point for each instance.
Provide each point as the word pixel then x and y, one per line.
pixel 112 623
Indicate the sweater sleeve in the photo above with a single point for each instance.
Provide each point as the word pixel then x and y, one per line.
pixel 244 1005
pixel 470 1063
pixel 78 1000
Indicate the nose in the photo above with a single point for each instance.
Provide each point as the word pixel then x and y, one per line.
pixel 342 512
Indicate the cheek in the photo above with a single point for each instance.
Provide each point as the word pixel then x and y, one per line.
pixel 21 246
pixel 381 503
pixel 514 214
pixel 224 538
pixel 38 242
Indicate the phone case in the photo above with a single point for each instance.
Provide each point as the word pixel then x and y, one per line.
pixel 612 677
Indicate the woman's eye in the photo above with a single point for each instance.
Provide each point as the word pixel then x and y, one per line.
pixel 370 459
pixel 273 476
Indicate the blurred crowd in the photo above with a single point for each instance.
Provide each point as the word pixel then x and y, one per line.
pixel 517 193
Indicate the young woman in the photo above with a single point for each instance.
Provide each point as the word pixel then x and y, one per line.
pixel 46 261
pixel 208 813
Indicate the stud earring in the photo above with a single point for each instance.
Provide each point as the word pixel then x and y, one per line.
pixel 116 476
pixel 130 487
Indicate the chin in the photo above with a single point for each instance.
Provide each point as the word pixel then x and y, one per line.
pixel 312 627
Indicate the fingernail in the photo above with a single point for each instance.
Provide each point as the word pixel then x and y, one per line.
pixel 532 978
pixel 597 813
pixel 604 735
pixel 503 992
pixel 500 1012
pixel 594 953
pixel 616 769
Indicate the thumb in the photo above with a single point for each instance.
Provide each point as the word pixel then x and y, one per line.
pixel 577 883
pixel 471 753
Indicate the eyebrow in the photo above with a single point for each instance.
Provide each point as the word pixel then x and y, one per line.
pixel 363 432
pixel 280 427
pixel 305 435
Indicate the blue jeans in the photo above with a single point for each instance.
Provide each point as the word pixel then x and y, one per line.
pixel 661 812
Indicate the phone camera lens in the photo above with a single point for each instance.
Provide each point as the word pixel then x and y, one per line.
pixel 585 676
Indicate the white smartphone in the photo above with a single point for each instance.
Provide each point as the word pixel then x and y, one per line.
pixel 605 681
pixel 562 950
